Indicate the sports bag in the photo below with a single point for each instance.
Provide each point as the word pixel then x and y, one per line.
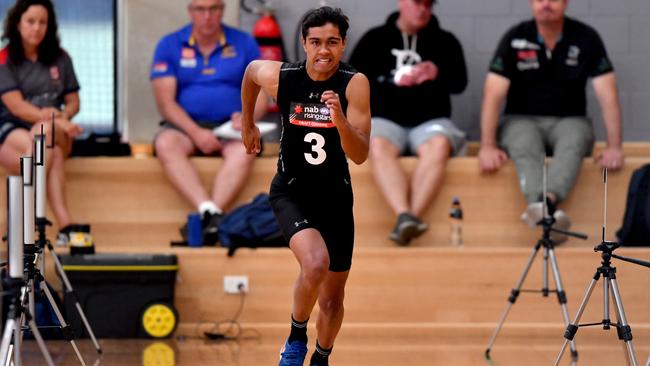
pixel 251 225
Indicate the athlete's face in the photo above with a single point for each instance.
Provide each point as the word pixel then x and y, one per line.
pixel 324 47
pixel 548 11
pixel 33 26
pixel 206 16
pixel 415 13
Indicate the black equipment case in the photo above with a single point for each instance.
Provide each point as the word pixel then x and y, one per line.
pixel 122 295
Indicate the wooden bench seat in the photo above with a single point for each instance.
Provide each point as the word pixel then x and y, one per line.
pixel 129 201
pixel 413 285
pixel 133 208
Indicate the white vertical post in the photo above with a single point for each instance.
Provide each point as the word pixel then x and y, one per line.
pixel 15 225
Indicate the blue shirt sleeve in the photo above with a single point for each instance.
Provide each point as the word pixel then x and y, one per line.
pixel 163 63
pixel 253 50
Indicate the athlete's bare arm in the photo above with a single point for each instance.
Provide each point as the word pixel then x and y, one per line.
pixel 260 74
pixel 354 125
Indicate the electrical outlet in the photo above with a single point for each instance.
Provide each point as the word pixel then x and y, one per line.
pixel 231 284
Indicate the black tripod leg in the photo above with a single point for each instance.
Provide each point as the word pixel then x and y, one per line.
pixel 623 328
pixel 545 263
pixel 561 297
pixel 65 327
pixel 572 328
pixel 70 290
pixel 514 294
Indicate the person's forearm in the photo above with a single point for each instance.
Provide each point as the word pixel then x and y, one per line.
pixel 71 108
pixel 250 97
pixel 613 125
pixel 611 110
pixel 354 142
pixel 175 114
pixel 261 106
pixel 489 122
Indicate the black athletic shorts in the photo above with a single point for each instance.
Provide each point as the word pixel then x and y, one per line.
pixel 9 125
pixel 321 204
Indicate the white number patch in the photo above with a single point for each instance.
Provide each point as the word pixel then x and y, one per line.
pixel 317 141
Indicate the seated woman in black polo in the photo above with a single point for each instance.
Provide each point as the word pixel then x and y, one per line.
pixel 37 83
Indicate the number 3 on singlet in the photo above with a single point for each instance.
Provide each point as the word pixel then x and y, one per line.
pixel 317 141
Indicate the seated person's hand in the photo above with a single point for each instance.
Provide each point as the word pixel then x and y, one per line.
pixel 70 129
pixel 425 71
pixel 235 117
pixel 206 141
pixel 611 158
pixel 491 158
pixel 416 74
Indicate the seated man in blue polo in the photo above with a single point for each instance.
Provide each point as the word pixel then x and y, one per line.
pixel 196 76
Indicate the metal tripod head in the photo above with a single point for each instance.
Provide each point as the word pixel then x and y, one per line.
pixel 608 247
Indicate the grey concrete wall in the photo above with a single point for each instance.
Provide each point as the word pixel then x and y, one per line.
pixel 479 24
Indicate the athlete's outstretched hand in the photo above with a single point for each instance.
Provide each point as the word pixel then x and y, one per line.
pixel 250 136
pixel 332 102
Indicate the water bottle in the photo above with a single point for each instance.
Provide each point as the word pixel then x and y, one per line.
pixel 194 230
pixel 456 223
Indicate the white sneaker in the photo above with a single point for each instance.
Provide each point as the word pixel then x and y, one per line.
pixel 533 214
pixel 562 222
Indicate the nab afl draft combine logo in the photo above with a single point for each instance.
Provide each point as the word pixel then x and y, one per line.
pixel 310 115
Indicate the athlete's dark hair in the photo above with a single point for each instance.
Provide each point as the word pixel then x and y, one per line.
pixel 323 15
pixel 50 47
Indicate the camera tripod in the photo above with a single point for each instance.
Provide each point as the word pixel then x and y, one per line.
pixel 549 257
pixel 610 287
pixel 16 316
pixel 14 284
pixel 41 222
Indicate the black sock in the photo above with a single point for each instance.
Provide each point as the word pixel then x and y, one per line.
pixel 320 356
pixel 298 330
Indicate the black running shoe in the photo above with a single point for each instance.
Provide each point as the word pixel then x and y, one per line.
pixel 210 223
pixel 407 228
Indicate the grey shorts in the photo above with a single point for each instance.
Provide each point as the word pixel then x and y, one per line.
pixel 209 125
pixel 408 139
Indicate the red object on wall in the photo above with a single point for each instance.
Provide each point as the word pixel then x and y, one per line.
pixel 269 37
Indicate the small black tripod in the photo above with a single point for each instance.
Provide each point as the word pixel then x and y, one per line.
pixel 610 285
pixel 548 244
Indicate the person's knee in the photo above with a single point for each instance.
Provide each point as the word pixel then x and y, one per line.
pixel 315 269
pixel 332 304
pixel 382 148
pixel 437 148
pixel 166 146
pixel 238 155
pixel 578 143
pixel 19 140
